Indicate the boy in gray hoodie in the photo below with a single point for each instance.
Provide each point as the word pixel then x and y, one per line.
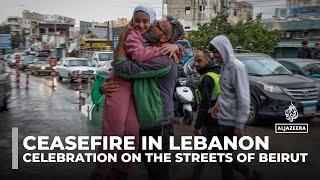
pixel 233 105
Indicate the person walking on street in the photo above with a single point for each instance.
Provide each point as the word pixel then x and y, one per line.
pixel 206 96
pixel 233 104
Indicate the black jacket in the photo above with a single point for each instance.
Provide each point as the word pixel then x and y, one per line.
pixel 206 86
pixel 304 53
pixel 316 55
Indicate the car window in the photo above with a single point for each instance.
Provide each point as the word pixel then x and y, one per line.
pixel 263 66
pixel 105 56
pixel 29 58
pixel 313 69
pixel 42 62
pixel 78 63
pixel 291 67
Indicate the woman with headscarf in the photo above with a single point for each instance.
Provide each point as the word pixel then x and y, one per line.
pixel 119 117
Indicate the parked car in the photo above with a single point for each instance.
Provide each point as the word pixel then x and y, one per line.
pixel 40 66
pixel 12 60
pixel 187 46
pixel 304 67
pixel 273 88
pixel 7 57
pixel 27 60
pixel 5 89
pixel 70 67
pixel 102 58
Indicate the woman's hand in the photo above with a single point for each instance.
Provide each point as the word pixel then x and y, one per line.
pixel 109 87
pixel 171 50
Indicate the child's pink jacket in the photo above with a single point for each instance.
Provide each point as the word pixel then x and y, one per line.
pixel 119 117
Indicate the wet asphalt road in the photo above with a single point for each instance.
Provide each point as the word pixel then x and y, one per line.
pixel 44 111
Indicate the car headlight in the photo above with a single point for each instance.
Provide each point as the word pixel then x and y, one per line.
pixel 76 72
pixel 269 88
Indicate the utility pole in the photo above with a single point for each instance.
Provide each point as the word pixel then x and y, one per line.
pixel 222 6
pixel 55 24
pixel 162 9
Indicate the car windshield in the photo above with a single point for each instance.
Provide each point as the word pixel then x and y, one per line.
pixel 42 62
pixel 312 68
pixel 105 56
pixel 78 63
pixel 264 66
pixel 28 58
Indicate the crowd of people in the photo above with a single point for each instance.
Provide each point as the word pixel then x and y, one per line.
pixel 139 93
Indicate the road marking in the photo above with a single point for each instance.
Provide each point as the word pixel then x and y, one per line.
pixel 15 148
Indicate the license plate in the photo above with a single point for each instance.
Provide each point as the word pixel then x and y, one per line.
pixel 309 108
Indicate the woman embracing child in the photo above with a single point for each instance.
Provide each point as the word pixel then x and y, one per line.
pixel 119 117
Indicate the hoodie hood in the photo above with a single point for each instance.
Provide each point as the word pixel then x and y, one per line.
pixel 224 47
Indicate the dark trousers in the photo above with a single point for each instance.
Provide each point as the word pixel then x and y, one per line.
pixel 157 170
pixel 227 168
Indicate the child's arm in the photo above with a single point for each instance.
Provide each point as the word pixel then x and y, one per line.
pixel 135 49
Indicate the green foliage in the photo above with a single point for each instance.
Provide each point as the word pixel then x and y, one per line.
pixel 5 29
pixel 250 35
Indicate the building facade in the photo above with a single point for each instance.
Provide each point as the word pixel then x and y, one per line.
pixel 297 10
pixel 305 3
pixel 15 24
pixel 191 13
pixel 300 20
pixel 45 28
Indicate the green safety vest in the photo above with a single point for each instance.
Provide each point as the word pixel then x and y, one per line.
pixel 216 89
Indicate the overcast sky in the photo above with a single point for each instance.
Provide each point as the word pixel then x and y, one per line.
pixel 103 10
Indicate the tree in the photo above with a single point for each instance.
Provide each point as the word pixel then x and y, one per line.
pixel 250 35
pixel 5 29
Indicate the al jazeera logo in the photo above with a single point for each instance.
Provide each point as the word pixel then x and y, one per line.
pixel 291 115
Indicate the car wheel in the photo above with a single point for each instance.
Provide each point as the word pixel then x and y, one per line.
pixel 59 77
pixel 70 79
pixel 253 114
pixel 187 117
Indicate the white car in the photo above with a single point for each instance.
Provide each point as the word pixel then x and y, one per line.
pixel 102 58
pixel 72 68
pixel 12 60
